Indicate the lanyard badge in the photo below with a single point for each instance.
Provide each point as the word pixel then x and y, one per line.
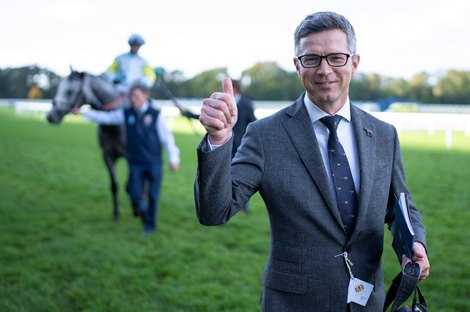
pixel 358 290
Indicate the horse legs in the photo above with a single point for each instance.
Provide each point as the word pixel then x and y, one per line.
pixel 111 166
pixel 112 142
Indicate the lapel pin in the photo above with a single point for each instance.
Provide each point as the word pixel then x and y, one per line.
pixel 368 132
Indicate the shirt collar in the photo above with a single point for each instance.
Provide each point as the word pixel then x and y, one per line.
pixel 315 113
pixel 144 107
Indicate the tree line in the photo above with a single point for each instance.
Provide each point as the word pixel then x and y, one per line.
pixel 263 81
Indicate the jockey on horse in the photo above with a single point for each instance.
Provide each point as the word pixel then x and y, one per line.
pixel 130 68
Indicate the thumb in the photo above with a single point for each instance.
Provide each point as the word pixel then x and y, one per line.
pixel 227 86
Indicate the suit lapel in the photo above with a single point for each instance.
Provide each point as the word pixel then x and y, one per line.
pixel 300 130
pixel 366 144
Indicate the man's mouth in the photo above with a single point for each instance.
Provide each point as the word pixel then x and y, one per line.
pixel 325 84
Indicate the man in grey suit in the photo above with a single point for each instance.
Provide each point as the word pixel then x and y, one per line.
pixel 285 157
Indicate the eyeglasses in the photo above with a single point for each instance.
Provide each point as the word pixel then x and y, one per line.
pixel 333 59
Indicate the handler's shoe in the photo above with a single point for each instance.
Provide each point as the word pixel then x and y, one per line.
pixel 148 231
pixel 139 210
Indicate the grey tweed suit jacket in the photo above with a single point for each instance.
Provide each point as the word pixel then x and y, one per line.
pixel 280 158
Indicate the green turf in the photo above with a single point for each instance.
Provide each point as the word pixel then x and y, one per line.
pixel 60 250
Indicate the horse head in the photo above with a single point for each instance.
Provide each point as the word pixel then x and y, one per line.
pixel 80 88
pixel 69 95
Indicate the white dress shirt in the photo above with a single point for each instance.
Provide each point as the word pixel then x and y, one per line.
pixel 345 134
pixel 116 117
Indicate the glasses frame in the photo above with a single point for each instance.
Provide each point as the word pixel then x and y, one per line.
pixel 348 56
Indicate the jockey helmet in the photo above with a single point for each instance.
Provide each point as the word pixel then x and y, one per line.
pixel 136 39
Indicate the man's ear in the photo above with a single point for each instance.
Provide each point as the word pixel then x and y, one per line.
pixel 356 59
pixel 296 64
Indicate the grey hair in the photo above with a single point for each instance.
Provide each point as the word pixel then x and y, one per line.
pixel 321 21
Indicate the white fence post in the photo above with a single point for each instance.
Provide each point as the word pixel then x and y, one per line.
pixel 448 138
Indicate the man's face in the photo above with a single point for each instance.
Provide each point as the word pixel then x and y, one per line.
pixel 135 48
pixel 138 97
pixel 327 86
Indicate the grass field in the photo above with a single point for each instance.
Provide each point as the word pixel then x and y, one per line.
pixel 60 250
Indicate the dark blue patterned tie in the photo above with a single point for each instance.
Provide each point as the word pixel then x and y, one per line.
pixel 341 173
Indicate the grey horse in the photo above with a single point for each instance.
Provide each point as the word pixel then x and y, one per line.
pixel 82 88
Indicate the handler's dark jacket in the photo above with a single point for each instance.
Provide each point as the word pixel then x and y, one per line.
pixel 143 142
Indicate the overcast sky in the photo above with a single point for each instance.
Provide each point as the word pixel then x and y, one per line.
pixel 395 38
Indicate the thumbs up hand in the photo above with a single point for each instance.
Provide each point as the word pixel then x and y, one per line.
pixel 219 114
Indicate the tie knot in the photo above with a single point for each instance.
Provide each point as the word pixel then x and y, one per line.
pixel 331 122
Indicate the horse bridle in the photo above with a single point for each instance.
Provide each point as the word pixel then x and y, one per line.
pixel 79 94
pixel 76 98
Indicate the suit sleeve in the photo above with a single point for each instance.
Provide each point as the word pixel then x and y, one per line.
pixel 223 186
pixel 398 186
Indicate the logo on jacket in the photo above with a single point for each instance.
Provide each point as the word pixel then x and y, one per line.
pixel 131 119
pixel 148 120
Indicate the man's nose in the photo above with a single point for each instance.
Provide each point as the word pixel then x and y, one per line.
pixel 324 68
